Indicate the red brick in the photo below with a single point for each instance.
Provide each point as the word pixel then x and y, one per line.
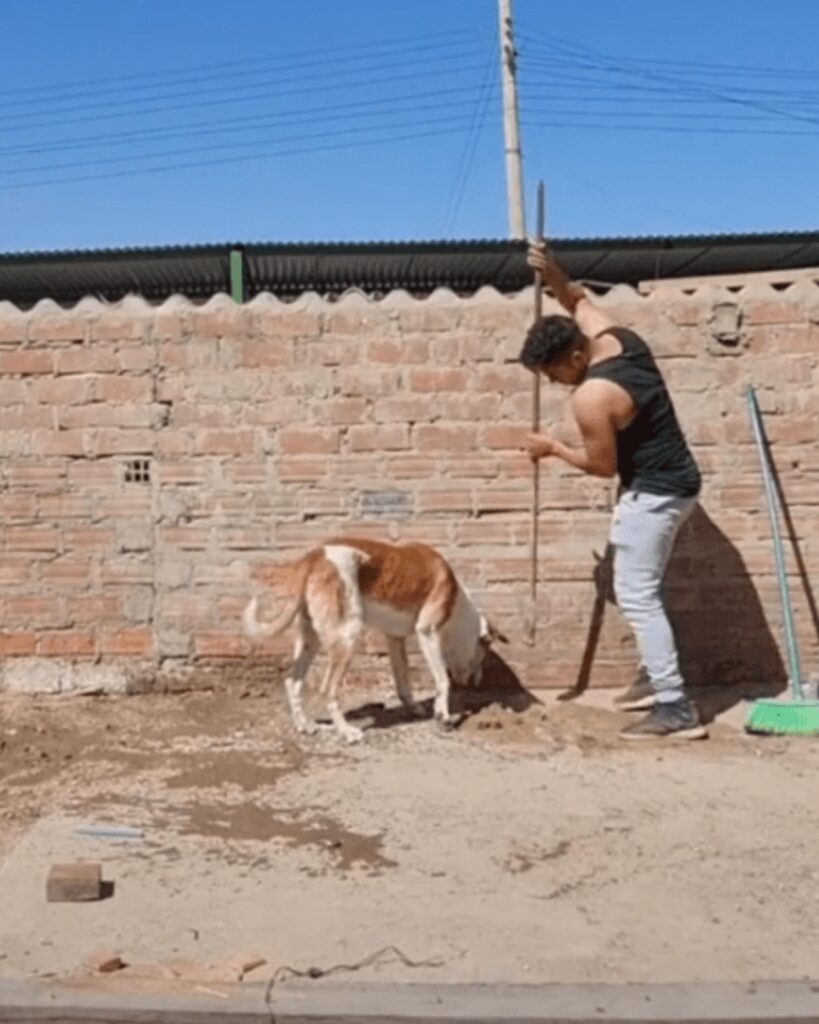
pixel 276 353
pixel 225 442
pixel 174 445
pixel 124 389
pixel 66 644
pixel 26 362
pixel 221 646
pixel 452 499
pixel 444 438
pixel 70 443
pixel 60 327
pixel 404 409
pixel 23 417
pixel 126 571
pixel 496 318
pixel 222 323
pixel 274 324
pixel 378 438
pixel 94 608
pixel 303 470
pixel 502 436
pixel 403 351
pixel 473 407
pixel 16 506
pixel 195 353
pixel 483 532
pixel 124 442
pixel 17 645
pixel 31 538
pixel 73 883
pixel 308 442
pixel 412 467
pixel 103 414
pixel 13 392
pixel 435 380
pixel 114 327
pixel 428 319
pixel 12 330
pixel 26 609
pixel 793 429
pixel 188 472
pixel 501 379
pixel 345 322
pixel 343 411
pixel 479 467
pixel 128 642
pixel 62 390
pixel 90 538
pixel 773 312
pixel 67 572
pixel 190 538
pixel 278 413
pixel 86 359
pixel 502 499
pixel 367 382
pixel 136 358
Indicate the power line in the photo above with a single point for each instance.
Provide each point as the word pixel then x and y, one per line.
pixel 325 112
pixel 575 123
pixel 307 90
pixel 740 70
pixel 619 66
pixel 482 101
pixel 118 107
pixel 378 45
pixel 216 147
pixel 221 161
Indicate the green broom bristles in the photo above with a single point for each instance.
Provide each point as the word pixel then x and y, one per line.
pixel 784 717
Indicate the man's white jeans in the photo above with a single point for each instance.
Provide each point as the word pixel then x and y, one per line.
pixel 643 533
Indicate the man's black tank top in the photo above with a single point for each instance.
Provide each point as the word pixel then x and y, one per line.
pixel 652 453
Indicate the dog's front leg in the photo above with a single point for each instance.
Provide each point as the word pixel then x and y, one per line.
pixel 430 643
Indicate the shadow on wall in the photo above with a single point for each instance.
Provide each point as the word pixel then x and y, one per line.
pixel 727 649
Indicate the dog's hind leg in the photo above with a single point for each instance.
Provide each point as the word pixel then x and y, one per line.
pixel 340 656
pixel 400 675
pixel 306 648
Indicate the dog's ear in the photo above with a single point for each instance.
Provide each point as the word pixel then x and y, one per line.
pixel 490 634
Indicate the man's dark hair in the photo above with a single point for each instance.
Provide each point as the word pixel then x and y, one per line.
pixel 547 340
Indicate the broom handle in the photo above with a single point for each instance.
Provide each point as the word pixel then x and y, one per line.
pixel 541 216
pixel 779 553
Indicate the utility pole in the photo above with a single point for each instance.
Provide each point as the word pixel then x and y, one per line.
pixel 511 128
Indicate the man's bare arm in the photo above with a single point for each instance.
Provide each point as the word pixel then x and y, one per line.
pixel 572 296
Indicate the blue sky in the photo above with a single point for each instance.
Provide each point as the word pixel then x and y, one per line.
pixel 307 120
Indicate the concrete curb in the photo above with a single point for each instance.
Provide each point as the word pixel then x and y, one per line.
pixel 786 1002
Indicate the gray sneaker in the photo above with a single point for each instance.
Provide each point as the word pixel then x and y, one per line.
pixel 639 696
pixel 679 720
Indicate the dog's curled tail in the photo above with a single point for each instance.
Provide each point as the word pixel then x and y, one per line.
pixel 253 627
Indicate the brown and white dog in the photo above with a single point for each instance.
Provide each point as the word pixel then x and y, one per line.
pixel 347 585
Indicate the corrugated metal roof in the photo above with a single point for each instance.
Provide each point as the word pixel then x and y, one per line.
pixel 287 269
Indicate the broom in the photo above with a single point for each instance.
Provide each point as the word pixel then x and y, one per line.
pixel 795 715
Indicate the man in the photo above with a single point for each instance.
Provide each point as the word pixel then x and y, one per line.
pixel 628 428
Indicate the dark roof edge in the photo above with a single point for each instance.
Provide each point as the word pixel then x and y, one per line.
pixel 410 245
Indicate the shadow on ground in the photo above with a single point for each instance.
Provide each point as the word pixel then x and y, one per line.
pixel 501 687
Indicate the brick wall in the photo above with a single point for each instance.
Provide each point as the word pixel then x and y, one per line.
pixel 269 426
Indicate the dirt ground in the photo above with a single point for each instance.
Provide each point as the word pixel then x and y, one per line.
pixel 529 845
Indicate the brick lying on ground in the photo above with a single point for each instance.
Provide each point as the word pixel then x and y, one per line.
pixel 74 883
